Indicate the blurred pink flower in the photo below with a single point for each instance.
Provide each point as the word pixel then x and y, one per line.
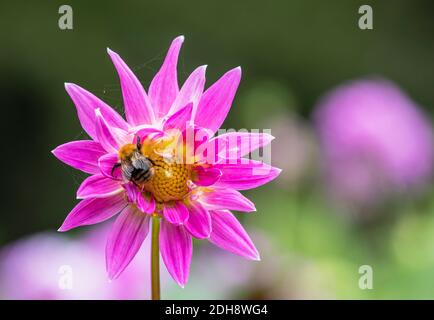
pixel 191 191
pixel 50 266
pixel 375 141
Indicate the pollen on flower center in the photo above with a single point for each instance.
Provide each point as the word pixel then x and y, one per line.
pixel 169 181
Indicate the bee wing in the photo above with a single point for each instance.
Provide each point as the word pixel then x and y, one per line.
pixel 127 170
pixel 139 161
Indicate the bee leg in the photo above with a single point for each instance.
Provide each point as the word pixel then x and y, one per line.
pixel 115 166
pixel 135 183
pixel 151 161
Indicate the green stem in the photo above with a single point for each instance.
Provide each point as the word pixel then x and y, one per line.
pixel 155 258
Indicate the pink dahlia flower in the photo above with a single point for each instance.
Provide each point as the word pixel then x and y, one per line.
pixel 375 140
pixel 164 162
pixel 48 266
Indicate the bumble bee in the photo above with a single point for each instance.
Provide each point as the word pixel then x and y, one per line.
pixel 135 167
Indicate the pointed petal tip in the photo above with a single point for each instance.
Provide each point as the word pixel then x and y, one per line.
pixel 256 256
pixel 201 69
pixel 252 207
pixel 275 172
pixel 111 53
pixel 64 228
pixel 79 195
pixel 180 38
pixel 69 86
pixel 112 276
pixel 234 72
pixel 238 71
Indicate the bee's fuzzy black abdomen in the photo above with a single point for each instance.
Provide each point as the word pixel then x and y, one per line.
pixel 138 169
pixel 141 175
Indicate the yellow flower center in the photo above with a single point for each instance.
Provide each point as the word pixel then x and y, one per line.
pixel 169 181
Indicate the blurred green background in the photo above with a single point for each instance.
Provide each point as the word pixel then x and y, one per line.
pixel 291 52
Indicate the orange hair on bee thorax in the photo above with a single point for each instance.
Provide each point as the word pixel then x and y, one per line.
pixel 127 151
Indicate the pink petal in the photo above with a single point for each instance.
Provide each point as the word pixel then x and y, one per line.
pixel 228 234
pixel 243 176
pixel 82 155
pixel 205 176
pixel 132 192
pixel 164 87
pixel 138 109
pixel 191 91
pixel 175 213
pixel 93 210
pixel 106 164
pixel 129 231
pixel 195 140
pixel 147 132
pixel 199 221
pixel 145 202
pixel 86 103
pixel 179 120
pixel 110 138
pixel 239 144
pixel 176 248
pixel 216 101
pixel 224 198
pixel 98 186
